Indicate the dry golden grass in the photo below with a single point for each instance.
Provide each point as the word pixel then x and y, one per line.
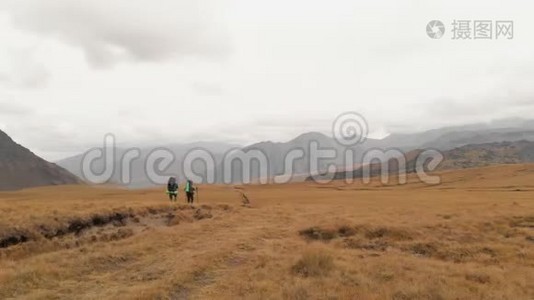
pixel 472 237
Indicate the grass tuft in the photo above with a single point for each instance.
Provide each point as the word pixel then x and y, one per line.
pixel 313 264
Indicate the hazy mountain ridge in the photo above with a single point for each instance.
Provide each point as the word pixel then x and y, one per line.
pixel 443 139
pixel 138 176
pixel 276 154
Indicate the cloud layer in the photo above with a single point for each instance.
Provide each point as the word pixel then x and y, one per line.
pixel 122 30
pixel 19 69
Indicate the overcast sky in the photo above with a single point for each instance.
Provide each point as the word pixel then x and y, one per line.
pixel 172 71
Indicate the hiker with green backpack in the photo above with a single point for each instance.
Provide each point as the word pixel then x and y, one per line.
pixel 190 191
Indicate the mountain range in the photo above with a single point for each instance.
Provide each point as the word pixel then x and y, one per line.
pixel 442 139
pixel 509 141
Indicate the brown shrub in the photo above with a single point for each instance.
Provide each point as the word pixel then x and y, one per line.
pixel 313 264
pixel 346 231
pixel 430 294
pixel 202 214
pixel 523 221
pixel 122 234
pixel 458 254
pixel 320 234
pixel 378 245
pixel 296 293
pixel 423 249
pixel 224 207
pixel 478 278
pixel 385 232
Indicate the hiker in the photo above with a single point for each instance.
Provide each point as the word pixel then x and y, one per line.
pixel 190 191
pixel 172 189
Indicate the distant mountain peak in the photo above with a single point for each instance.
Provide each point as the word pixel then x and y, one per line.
pixel 311 136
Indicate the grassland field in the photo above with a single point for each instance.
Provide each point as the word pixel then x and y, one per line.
pixel 470 237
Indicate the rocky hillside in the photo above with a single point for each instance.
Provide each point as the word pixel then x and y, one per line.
pixel 472 156
pixel 469 156
pixel 20 168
